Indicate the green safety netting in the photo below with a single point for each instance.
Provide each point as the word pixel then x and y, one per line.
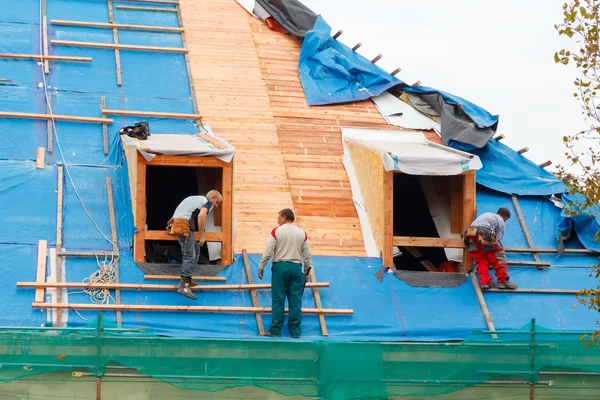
pixel 323 369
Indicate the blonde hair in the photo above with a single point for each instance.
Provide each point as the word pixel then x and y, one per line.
pixel 214 193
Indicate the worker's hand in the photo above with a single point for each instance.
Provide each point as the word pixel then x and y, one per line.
pixel 260 273
pixel 201 241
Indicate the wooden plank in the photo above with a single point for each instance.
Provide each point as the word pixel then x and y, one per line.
pixel 162 235
pixel 428 242
pixel 535 291
pixel 145 286
pixel 483 305
pixel 547 250
pixel 259 322
pixel 114 239
pixel 115 31
pixel 40 158
pixel 524 228
pixel 317 296
pixel 37 57
pixel 72 118
pixel 59 237
pixel 151 114
pixel 470 205
pixel 104 127
pixel 227 217
pixel 540 264
pixel 206 309
pixel 140 210
pixel 49 123
pixel 156 9
pixel 41 269
pixel 188 161
pixel 198 278
pixel 119 46
pixel 45 38
pixel 86 254
pixel 388 255
pixel 425 263
pixel 112 25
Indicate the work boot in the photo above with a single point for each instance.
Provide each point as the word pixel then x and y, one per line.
pixel 193 283
pixel 488 286
pixel 507 285
pixel 184 289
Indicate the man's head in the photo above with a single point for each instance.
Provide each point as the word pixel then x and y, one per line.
pixel 214 197
pixel 285 216
pixel 504 213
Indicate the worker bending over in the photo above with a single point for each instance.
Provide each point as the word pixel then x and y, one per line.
pixel 483 239
pixel 288 246
pixel 191 213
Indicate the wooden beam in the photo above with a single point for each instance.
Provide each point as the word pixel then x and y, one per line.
pixel 206 309
pixel 198 278
pixel 135 8
pixel 539 264
pixel 45 58
pixel 162 235
pixel 388 212
pixel 357 46
pixel 72 118
pixel 114 239
pixel 41 269
pixel 154 287
pixel 468 213
pixel 40 157
pixel 425 263
pixel 49 124
pixel 115 26
pixel 483 305
pixel 115 31
pixel 338 34
pixel 377 58
pixel 97 45
pixel 140 210
pixel 524 228
pixel 104 127
pixel 396 71
pixel 546 250
pixel 45 36
pixel 212 140
pixel 59 237
pixel 499 137
pixel 157 114
pixel 100 253
pixel 317 296
pixel 210 162
pixel 259 321
pixel 428 242
pixel 227 216
pixel 523 150
pixel 545 164
pixel 416 83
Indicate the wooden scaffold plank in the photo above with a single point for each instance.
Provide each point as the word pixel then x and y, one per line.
pixel 156 9
pixel 523 224
pixel 206 309
pixel 115 247
pixel 317 295
pixel 44 57
pixel 45 37
pixel 41 269
pixel 104 127
pixel 115 31
pixel 72 118
pixel 59 239
pixel 119 46
pixel 157 114
pixel 482 304
pixel 158 287
pixel 198 278
pixel 259 321
pixel 112 25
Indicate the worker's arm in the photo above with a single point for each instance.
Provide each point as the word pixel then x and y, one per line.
pixel 201 222
pixel 267 255
pixel 306 254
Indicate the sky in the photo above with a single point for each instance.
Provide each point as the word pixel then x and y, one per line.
pixel 496 54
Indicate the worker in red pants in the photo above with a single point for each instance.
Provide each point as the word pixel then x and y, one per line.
pixel 483 239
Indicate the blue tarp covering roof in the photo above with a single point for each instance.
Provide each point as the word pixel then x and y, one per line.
pixel 390 311
pixel 507 171
pixel 332 73
pixel 587 225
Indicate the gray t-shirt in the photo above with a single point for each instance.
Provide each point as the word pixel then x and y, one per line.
pixel 190 206
pixel 491 221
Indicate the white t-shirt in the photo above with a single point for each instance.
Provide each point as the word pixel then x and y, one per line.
pixel 186 208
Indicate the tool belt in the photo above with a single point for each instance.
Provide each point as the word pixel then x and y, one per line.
pixel 483 235
pixel 178 227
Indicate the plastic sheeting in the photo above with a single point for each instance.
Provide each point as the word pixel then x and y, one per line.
pixel 398 113
pixel 331 72
pixel 507 171
pixel 412 153
pixel 586 225
pixel 189 145
pixel 294 16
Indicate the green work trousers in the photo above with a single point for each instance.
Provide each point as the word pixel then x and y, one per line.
pixel 287 280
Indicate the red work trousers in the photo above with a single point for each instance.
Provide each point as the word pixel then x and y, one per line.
pixel 484 257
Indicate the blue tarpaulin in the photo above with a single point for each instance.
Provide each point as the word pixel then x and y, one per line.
pixel 587 225
pixel 332 73
pixel 507 171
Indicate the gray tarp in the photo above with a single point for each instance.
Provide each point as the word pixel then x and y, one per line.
pixel 292 15
pixel 455 124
